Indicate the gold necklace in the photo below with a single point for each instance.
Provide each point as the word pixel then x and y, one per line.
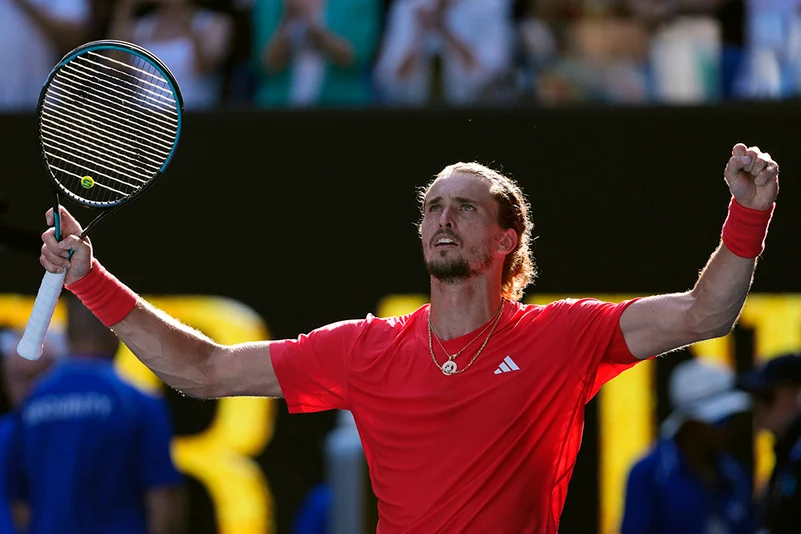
pixel 450 367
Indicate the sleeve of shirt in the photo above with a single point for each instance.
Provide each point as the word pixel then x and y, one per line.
pixel 312 369
pixel 639 514
pixel 157 468
pixel 599 349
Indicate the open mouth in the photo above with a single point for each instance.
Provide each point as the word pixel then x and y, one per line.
pixel 444 242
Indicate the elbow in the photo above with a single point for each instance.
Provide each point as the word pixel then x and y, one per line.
pixel 209 380
pixel 708 323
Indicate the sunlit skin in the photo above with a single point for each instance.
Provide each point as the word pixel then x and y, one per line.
pixel 467 273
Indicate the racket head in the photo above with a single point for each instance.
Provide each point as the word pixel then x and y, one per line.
pixel 109 119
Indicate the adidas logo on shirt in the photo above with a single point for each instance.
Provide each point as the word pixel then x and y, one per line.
pixel 507 366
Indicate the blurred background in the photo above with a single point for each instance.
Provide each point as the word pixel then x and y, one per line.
pixel 412 53
pixel 291 202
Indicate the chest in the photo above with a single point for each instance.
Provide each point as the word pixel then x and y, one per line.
pixel 399 394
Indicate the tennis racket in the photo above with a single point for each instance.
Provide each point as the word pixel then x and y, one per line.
pixel 109 116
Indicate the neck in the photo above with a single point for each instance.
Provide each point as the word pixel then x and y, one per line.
pixel 458 309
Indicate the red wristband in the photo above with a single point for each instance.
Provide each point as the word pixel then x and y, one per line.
pixel 104 295
pixel 745 229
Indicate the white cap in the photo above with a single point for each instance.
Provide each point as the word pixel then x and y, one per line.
pixel 702 391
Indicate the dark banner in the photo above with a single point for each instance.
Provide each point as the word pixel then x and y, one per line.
pixel 275 223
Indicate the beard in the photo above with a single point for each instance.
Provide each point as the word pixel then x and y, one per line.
pixel 456 270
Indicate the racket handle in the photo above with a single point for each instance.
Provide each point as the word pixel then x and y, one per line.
pixel 30 346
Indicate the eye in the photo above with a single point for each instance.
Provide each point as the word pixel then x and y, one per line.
pixel 434 207
pixel 468 207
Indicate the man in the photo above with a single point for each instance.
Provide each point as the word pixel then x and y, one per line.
pixel 36 34
pixel 776 389
pixel 459 48
pixel 471 408
pixel 90 452
pixel 19 377
pixel 689 483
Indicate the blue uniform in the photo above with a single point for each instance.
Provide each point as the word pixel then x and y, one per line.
pixel 88 447
pixel 6 427
pixel 664 497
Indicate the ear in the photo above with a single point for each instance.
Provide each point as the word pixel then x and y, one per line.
pixel 508 242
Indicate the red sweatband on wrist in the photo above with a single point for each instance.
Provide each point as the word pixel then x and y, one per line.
pixel 745 229
pixel 104 295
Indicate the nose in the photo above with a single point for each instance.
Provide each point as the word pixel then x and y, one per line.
pixel 445 219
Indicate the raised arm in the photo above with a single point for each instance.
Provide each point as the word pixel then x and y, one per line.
pixel 182 357
pixel 65 33
pixel 662 323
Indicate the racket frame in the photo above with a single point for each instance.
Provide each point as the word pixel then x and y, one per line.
pixel 57 188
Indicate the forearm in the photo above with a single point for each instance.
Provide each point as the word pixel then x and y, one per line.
pixel 459 47
pixel 276 52
pixel 64 35
pixel 720 292
pixel 179 355
pixel 122 23
pixel 204 62
pixel 336 48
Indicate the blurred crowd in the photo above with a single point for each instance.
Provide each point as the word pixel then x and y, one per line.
pixel 326 53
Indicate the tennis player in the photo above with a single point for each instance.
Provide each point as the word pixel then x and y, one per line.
pixel 470 409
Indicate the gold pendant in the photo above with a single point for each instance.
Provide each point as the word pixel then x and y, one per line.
pixel 449 367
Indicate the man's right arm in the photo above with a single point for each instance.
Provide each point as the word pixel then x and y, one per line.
pixel 182 357
pixel 190 362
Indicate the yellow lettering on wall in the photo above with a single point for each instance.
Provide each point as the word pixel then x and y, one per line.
pixel 220 457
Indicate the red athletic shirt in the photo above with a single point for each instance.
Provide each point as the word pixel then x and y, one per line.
pixel 488 450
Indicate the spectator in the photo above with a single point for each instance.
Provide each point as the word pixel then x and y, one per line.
pixel 19 376
pixel 453 51
pixel 35 35
pixel 192 42
pixel 315 52
pixel 773 49
pixel 726 19
pixel 776 389
pixel 689 483
pixel 604 59
pixel 91 453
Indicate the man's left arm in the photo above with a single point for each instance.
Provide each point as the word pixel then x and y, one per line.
pixel 662 323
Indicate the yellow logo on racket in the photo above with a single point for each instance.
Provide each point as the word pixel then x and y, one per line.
pixel 87 182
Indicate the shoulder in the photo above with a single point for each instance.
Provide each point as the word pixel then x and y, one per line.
pixel 375 328
pixel 583 308
pixel 558 309
pixel 644 469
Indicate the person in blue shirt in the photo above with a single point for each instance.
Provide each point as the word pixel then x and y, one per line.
pixel 689 484
pixel 775 387
pixel 91 453
pixel 19 376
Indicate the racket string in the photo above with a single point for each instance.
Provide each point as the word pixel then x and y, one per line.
pixel 108 126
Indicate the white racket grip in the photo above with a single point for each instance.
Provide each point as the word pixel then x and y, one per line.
pixel 30 346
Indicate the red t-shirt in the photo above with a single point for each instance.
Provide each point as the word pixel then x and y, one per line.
pixel 488 450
